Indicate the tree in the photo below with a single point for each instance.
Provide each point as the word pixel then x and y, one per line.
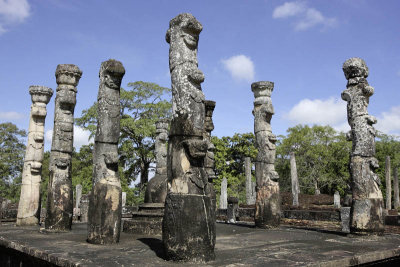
pixel 141 107
pixel 12 150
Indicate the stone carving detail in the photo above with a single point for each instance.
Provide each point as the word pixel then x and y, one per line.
pixel 295 180
pixel 105 201
pixel 367 203
pixel 250 185
pixel 189 218
pixel 156 190
pixel 268 206
pixel 29 202
pixel 59 209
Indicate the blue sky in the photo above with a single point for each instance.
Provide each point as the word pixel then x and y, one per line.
pixel 299 45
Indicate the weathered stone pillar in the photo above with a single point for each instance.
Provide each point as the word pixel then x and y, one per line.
pixel 295 180
pixel 367 204
pixel 268 205
pixel 223 198
pixel 250 188
pixel 188 224
pixel 123 200
pixel 396 199
pixel 29 201
pixel 156 190
pixel 105 200
pixel 209 161
pixel 59 209
pixel 233 207
pixel 336 200
pixel 78 196
pixel 388 178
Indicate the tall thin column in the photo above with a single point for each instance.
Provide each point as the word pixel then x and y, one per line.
pixel 268 205
pixel 366 210
pixel 60 192
pixel 156 190
pixel 223 198
pixel 388 178
pixel 29 201
pixel 396 199
pixel 295 180
pixel 209 161
pixel 250 192
pixel 188 224
pixel 105 201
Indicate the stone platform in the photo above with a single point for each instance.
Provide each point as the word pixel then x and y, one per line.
pixel 236 246
pixel 146 221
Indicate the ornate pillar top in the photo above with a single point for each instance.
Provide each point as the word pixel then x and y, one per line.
pixel 68 74
pixel 40 94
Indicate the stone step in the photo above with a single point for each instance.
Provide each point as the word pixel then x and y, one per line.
pixel 147 214
pixel 145 227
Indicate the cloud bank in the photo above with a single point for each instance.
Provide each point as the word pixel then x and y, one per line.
pixel 240 67
pixel 11 116
pixel 13 12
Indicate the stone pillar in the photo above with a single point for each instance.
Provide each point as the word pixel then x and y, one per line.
pixel 188 223
pixel 367 205
pixel 105 200
pixel 295 180
pixel 59 209
pixel 388 184
pixel 345 219
pixel 268 204
pixel 223 198
pixel 29 202
pixel 123 200
pixel 78 196
pixel 209 161
pixel 250 188
pixel 156 189
pixel 233 208
pixel 336 200
pixel 396 189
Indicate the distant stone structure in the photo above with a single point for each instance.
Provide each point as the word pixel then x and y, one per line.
pixel 396 199
pixel 188 223
pixel 268 204
pixel 295 180
pixel 388 179
pixel 367 204
pixel 156 190
pixel 336 200
pixel 105 201
pixel 59 209
pixel 233 209
pixel 209 161
pixel 223 198
pixel 29 202
pixel 78 196
pixel 123 201
pixel 250 185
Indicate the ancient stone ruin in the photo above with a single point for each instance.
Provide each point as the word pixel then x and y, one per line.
pixel 105 202
pixel 156 190
pixel 59 209
pixel 223 198
pixel 189 218
pixel 388 179
pixel 29 202
pixel 250 185
pixel 396 197
pixel 209 161
pixel 367 203
pixel 268 206
pixel 294 179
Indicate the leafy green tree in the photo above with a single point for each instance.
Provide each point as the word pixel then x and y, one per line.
pixel 141 106
pixel 12 150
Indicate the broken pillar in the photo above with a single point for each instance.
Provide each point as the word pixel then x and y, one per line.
pixel 396 190
pixel 59 209
pixel 29 201
pixel 188 223
pixel 268 204
pixel 336 200
pixel 233 209
pixel 388 179
pixel 295 180
pixel 78 196
pixel 250 186
pixel 223 198
pixel 156 189
pixel 105 201
pixel 367 201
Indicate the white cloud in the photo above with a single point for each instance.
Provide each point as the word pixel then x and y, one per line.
pixel 331 112
pixel 81 137
pixel 13 12
pixel 307 16
pixel 241 67
pixel 389 122
pixel 10 115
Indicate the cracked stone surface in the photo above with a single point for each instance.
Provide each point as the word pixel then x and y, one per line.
pixel 250 185
pixel 105 200
pixel 189 218
pixel 367 205
pixel 294 179
pixel 59 209
pixel 29 202
pixel 268 204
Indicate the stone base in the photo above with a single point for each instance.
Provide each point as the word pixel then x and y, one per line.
pixel 189 228
pixel 146 221
pixel 366 216
pixel 268 207
pixel 27 221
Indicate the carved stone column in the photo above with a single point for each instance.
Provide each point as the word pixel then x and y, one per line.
pixel 156 190
pixel 268 205
pixel 388 179
pixel 105 201
pixel 367 203
pixel 295 180
pixel 396 199
pixel 29 202
pixel 60 192
pixel 188 224
pixel 223 198
pixel 250 187
pixel 209 161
